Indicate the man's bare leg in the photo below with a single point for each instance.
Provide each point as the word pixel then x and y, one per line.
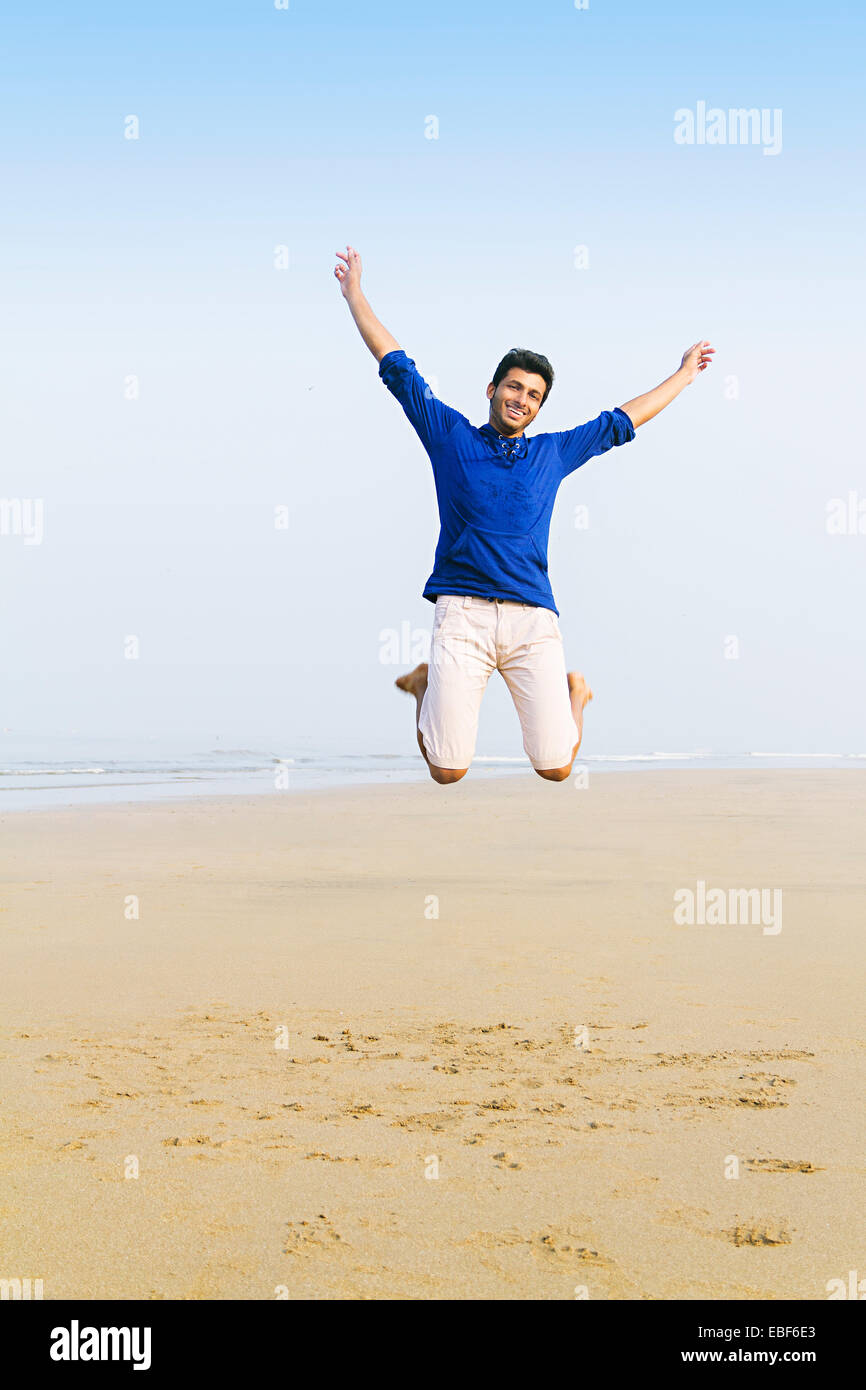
pixel 580 695
pixel 416 684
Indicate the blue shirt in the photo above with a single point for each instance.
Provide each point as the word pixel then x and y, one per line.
pixel 495 494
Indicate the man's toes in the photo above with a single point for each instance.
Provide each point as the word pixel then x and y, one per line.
pixel 412 679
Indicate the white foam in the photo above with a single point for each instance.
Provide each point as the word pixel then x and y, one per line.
pixel 47 771
pixel 800 755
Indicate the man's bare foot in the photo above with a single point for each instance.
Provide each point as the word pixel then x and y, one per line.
pixel 580 695
pixel 578 689
pixel 415 683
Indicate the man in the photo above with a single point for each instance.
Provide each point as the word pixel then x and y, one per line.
pixel 496 490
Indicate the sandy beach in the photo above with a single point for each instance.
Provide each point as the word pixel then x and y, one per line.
pixel 413 1042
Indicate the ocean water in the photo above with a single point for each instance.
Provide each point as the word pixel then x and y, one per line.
pixel 39 773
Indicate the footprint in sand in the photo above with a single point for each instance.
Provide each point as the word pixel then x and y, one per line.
pixel 757 1235
pixel 564 1247
pixel 309 1237
pixel 782 1165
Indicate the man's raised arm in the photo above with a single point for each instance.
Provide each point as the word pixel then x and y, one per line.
pixel 643 408
pixel 377 337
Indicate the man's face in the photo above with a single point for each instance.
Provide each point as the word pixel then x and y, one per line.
pixel 516 401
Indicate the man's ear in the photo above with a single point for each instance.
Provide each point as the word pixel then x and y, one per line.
pixel 491 391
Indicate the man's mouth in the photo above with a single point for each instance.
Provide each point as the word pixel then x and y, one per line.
pixel 513 412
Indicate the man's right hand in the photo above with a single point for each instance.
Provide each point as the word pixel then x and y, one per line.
pixel 349 273
pixel 377 338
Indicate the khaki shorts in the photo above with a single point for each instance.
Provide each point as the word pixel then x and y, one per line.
pixel 472 638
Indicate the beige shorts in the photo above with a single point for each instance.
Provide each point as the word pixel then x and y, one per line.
pixel 472 638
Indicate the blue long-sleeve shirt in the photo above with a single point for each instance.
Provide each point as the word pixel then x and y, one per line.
pixel 495 495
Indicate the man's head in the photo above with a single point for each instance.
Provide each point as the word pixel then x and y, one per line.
pixel 520 386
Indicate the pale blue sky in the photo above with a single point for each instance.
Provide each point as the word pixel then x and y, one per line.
pixel 306 128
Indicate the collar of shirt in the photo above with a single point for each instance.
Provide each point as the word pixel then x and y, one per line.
pixel 509 447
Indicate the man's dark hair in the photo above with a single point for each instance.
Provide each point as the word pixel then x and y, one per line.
pixel 527 362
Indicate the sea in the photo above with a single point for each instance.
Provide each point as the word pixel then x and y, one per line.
pixel 67 770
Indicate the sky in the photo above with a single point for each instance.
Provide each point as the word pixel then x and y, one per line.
pixel 212 513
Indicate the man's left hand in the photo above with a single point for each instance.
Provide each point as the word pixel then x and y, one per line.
pixel 696 359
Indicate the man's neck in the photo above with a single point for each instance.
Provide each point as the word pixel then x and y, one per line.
pixel 500 433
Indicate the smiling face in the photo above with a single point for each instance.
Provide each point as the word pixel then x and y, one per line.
pixel 516 401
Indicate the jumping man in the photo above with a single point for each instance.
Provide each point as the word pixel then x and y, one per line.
pixel 494 607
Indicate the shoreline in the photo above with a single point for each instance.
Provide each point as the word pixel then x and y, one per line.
pixel 173 786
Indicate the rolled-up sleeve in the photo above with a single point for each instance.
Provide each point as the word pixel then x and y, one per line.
pixel 431 419
pixel 609 429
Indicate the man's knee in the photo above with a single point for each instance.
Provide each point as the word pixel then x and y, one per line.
pixel 554 774
pixel 446 775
